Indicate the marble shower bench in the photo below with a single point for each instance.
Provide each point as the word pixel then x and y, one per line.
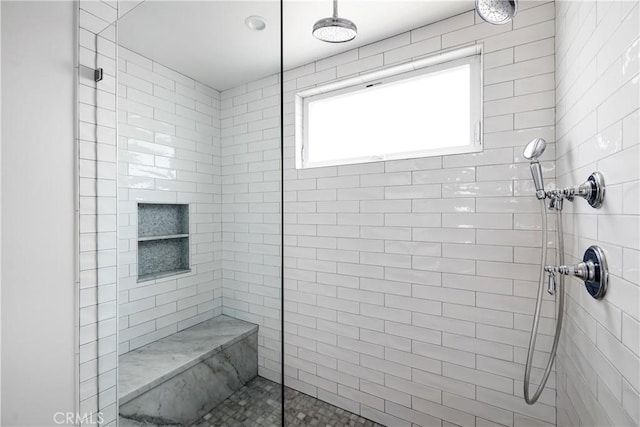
pixel 178 379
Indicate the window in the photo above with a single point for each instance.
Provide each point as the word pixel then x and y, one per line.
pixel 425 108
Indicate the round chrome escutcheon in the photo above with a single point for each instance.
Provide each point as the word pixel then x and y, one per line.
pixel 597 287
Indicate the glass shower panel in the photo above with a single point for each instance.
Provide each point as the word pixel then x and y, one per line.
pixel 98 215
pixel 199 213
pixel 410 281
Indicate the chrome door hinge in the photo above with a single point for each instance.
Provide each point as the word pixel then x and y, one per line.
pixel 478 132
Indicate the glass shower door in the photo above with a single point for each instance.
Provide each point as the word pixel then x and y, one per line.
pixel 199 213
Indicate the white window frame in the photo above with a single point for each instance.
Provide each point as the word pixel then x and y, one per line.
pixel 471 55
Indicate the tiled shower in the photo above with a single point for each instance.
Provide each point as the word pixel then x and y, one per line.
pixel 409 285
pixel 596 124
pixel 408 282
pixel 158 163
pixel 397 292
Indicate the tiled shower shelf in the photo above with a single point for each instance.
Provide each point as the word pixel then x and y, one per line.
pixel 158 219
pixel 153 276
pixel 163 240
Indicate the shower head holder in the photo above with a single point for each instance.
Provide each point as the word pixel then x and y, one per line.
pixel 592 190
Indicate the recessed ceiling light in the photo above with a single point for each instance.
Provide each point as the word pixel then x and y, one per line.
pixel 255 23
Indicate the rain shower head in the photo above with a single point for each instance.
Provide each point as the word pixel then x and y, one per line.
pixel 497 12
pixel 534 149
pixel 335 29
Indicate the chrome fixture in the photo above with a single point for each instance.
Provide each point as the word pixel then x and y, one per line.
pixel 592 190
pixel 533 151
pixel 497 12
pixel 592 269
pixel 560 306
pixel 335 29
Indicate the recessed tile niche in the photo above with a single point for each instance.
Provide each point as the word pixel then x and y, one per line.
pixel 163 240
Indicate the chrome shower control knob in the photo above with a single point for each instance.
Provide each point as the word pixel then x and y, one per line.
pixel 592 270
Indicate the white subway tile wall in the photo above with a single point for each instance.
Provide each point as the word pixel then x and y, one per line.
pixel 597 96
pixel 251 231
pixel 97 176
pixel 409 285
pixel 168 152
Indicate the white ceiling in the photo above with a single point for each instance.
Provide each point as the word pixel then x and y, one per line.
pixel 208 41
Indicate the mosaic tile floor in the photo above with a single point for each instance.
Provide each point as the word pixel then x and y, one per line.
pixel 258 405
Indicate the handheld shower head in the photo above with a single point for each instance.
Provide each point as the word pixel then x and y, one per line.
pixel 533 151
pixel 497 12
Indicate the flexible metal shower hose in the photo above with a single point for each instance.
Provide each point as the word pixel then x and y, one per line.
pixel 536 318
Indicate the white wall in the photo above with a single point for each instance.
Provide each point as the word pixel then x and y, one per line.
pixel 38 348
pixel 0 214
pixel 409 285
pixel 169 152
pixel 251 213
pixel 597 95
